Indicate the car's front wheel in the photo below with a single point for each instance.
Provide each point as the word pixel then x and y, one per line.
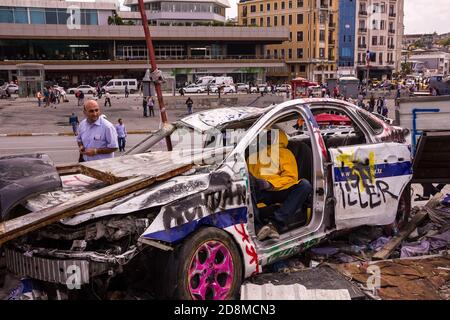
pixel 89 92
pixel 207 266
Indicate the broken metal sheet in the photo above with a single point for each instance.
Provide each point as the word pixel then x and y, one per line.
pixel 368 182
pixel 217 118
pixel 23 176
pixel 157 195
pixel 322 277
pixel 296 291
pixel 403 279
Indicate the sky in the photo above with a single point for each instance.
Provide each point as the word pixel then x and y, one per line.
pixel 421 16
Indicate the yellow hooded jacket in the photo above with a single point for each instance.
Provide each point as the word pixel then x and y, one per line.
pixel 280 170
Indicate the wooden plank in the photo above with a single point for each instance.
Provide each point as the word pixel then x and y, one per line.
pixel 128 166
pixel 17 227
pixel 386 251
pixel 65 170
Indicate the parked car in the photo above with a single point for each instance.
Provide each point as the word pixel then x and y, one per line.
pixel 225 89
pixel 194 88
pixel 283 88
pixel 259 88
pixel 242 87
pixel 11 88
pixel 84 88
pixel 192 235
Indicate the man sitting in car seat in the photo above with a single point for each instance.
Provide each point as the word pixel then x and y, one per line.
pixel 275 180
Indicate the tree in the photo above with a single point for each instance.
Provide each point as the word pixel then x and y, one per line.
pixel 115 20
pixel 406 68
pixel 445 42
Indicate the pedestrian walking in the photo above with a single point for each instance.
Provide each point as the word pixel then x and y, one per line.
pixel 145 106
pixel 97 137
pixel 384 110
pixel 151 106
pixel 39 98
pixel 127 92
pixel 80 97
pixel 46 97
pixel 73 121
pixel 189 104
pixel 371 103
pixel 380 105
pixel 107 99
pixel 121 134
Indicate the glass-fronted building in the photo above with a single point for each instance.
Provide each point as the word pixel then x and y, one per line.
pixel 347 23
pixel 35 32
pixel 178 13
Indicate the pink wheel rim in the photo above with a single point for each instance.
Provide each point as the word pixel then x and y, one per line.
pixel 211 272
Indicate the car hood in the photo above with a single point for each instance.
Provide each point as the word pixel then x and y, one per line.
pixel 151 197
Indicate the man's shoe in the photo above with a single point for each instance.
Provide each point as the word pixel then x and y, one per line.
pixel 273 232
pixel 263 233
pixel 268 231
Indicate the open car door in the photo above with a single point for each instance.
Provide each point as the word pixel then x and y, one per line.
pixel 432 160
pixel 368 181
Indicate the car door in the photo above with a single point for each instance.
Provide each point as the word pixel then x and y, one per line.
pixel 368 181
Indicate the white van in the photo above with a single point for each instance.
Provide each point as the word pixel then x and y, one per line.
pixel 118 85
pixel 227 81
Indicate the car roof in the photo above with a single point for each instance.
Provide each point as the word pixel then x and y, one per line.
pixel 219 118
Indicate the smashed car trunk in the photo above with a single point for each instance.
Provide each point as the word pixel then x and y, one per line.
pixel 22 177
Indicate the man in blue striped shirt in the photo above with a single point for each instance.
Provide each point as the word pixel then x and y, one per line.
pixel 97 137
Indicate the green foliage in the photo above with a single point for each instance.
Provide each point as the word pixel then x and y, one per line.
pixel 116 20
pixel 446 42
pixel 406 68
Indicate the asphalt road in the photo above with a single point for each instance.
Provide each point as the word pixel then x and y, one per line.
pixel 60 148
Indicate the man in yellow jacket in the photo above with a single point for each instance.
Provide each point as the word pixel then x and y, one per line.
pixel 275 180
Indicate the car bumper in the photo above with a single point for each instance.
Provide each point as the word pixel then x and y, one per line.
pixel 59 266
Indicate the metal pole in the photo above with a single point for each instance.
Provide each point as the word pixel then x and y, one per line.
pixel 151 54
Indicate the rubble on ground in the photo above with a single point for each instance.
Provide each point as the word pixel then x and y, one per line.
pixel 418 268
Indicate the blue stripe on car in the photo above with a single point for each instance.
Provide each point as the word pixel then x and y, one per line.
pixel 384 170
pixel 220 220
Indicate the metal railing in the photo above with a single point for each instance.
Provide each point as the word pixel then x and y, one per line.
pixel 391 46
pixel 362 46
pixel 363 13
pixel 391 30
pixel 364 30
pixel 216 57
pixel 392 15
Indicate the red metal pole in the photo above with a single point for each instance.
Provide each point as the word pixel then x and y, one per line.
pixel 151 53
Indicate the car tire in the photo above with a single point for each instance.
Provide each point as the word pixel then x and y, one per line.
pixel 183 278
pixel 16 92
pixel 199 91
pixel 90 92
pixel 71 92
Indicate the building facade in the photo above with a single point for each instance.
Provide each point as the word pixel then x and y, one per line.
pixel 39 33
pixel 379 30
pixel 430 62
pixel 178 13
pixel 311 50
pixel 347 37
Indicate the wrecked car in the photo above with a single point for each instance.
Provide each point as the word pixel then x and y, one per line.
pixel 192 236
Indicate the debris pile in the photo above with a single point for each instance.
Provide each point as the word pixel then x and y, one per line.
pixel 413 264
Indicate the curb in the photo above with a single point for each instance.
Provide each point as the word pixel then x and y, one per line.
pixel 38 134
